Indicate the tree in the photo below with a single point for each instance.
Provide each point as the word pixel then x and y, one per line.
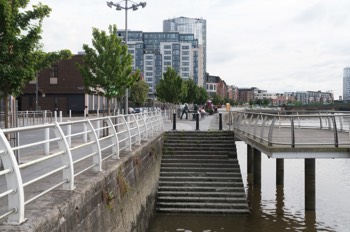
pixel 202 96
pixel 190 91
pixel 21 57
pixel 139 92
pixel 169 87
pixel 107 67
pixel 217 99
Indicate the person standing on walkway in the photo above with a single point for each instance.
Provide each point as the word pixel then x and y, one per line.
pixel 185 111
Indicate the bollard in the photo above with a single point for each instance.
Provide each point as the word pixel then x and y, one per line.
pixel 174 121
pixel 220 121
pixel 197 121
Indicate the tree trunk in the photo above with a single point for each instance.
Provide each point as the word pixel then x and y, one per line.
pixel 6 102
pixel 108 107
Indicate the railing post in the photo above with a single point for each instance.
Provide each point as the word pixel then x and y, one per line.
pixel 47 144
pixel 115 140
pixel 174 121
pixel 97 157
pixel 124 117
pixel 336 141
pixel 14 182
pixel 262 128
pixel 220 121
pixel 67 160
pixel 269 140
pixel 138 129
pixel 197 121
pixel 292 132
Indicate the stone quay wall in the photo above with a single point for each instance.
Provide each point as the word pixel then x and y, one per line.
pixel 121 198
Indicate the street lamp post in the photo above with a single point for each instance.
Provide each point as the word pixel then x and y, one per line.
pixel 134 7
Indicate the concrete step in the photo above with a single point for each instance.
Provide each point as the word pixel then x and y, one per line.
pixel 200 178
pixel 201 194
pixel 200 183
pixel 198 152
pixel 170 210
pixel 199 169
pixel 219 141
pixel 197 165
pixel 202 161
pixel 199 189
pixel 185 157
pixel 201 205
pixel 201 174
pixel 201 199
pixel 191 147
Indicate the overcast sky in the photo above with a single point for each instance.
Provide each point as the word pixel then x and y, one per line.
pixel 275 45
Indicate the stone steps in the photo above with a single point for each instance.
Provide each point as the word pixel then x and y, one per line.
pixel 200 173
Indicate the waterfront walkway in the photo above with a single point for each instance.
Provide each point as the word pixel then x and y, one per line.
pixel 208 123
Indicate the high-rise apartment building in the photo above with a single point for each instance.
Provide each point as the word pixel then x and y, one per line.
pixel 153 52
pixel 197 27
pixel 346 84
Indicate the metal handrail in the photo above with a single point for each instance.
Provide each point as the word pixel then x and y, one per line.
pixel 120 132
pixel 269 128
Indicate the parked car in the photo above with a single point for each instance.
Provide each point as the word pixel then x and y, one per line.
pixel 131 110
pixel 137 110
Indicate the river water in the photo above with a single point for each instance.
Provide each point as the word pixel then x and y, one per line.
pixel 278 208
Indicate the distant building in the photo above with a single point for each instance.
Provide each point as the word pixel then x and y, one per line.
pixel 197 27
pixel 61 88
pixel 232 92
pixel 216 86
pixel 308 97
pixel 153 52
pixel 346 84
pixel 245 95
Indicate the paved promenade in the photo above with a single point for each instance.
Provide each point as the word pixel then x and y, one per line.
pixel 208 123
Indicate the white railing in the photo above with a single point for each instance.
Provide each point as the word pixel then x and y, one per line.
pixel 52 155
pixel 324 129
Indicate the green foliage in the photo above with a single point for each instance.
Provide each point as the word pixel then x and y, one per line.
pixel 139 92
pixel 20 51
pixel 190 91
pixel 202 96
pixel 20 33
pixel 217 100
pixel 169 88
pixel 107 67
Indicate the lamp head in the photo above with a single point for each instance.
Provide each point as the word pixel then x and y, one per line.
pixel 110 4
pixel 118 7
pixel 143 4
pixel 134 7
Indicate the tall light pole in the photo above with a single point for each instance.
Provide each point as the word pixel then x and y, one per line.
pixel 134 7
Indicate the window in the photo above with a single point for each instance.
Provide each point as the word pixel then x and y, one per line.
pixel 149 74
pixel 167 57
pixel 149 68
pixel 167 46
pixel 54 71
pixel 185 47
pixel 167 63
pixel 185 63
pixel 185 52
pixel 185 58
pixel 149 62
pixel 167 52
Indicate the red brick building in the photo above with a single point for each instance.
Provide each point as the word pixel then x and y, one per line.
pixel 59 88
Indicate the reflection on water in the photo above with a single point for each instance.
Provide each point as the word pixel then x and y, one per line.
pixel 278 208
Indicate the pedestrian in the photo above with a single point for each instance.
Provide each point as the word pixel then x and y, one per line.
pixel 185 111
